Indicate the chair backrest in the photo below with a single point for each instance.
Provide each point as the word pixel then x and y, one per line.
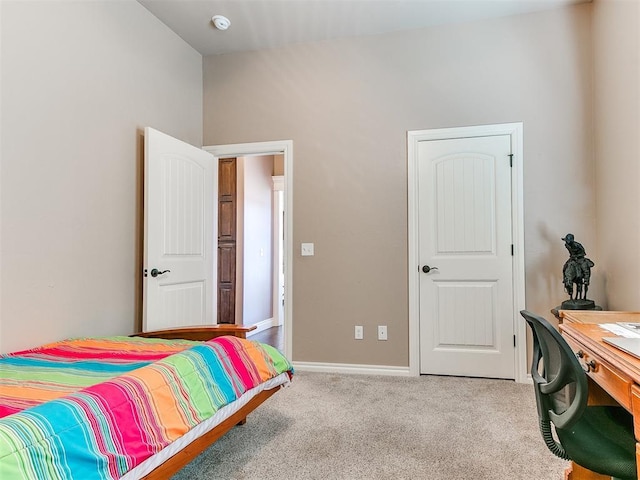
pixel 560 382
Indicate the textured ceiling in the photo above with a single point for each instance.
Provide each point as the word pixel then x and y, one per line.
pixel 262 24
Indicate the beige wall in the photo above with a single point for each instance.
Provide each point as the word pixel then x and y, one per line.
pixel 278 165
pixel 80 80
pixel 617 146
pixel 348 104
pixel 1 135
pixel 253 233
pixel 256 246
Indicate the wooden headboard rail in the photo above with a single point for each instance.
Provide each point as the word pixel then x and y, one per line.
pixel 199 333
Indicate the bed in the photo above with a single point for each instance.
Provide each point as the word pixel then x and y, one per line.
pixel 132 407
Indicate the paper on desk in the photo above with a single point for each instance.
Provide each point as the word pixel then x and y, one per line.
pixel 619 330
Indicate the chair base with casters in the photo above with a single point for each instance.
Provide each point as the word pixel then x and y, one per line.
pixel 597 438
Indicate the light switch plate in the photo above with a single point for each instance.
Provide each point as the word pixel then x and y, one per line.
pixel 359 332
pixel 307 250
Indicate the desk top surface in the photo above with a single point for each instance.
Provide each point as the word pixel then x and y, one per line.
pixel 589 335
pixel 595 316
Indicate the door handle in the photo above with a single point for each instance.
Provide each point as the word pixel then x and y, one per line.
pixel 155 272
pixel 427 268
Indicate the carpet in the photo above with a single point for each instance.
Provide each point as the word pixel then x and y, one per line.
pixel 334 426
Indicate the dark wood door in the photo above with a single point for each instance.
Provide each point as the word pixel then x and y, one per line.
pixel 227 240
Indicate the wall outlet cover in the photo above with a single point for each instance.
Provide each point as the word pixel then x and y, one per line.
pixel 307 250
pixel 382 332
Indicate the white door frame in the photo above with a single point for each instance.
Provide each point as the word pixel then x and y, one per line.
pixel 278 253
pixel 515 130
pixel 285 148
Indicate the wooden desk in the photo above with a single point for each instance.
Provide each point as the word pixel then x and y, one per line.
pixel 596 316
pixel 557 312
pixel 613 374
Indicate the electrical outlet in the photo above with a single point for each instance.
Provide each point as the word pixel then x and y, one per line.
pixel 382 332
pixel 359 332
pixel 306 249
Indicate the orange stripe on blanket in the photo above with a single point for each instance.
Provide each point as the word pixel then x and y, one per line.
pixel 35 393
pixel 259 361
pixel 165 414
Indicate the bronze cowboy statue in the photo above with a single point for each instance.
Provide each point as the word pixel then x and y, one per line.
pixel 576 274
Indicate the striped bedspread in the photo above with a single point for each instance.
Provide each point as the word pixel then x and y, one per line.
pixel 96 408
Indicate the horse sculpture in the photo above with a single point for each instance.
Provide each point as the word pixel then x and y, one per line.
pixel 576 271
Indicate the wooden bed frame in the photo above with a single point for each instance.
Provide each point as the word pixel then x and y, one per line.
pixel 195 448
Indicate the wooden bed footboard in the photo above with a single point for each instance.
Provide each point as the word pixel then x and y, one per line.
pixel 195 448
pixel 199 333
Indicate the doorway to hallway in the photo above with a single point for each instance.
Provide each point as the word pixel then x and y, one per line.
pixel 263 241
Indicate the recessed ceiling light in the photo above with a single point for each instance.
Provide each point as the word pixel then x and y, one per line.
pixel 221 22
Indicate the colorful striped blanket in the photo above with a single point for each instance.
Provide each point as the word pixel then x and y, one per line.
pixel 96 408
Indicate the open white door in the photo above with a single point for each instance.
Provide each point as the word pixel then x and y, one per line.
pixel 180 189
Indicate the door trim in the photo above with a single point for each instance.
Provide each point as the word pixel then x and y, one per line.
pixel 278 256
pixel 515 131
pixel 284 147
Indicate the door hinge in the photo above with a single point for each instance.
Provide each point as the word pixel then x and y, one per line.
pixel 511 160
pixel 514 341
pixel 512 250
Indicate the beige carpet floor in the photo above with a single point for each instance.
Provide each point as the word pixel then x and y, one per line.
pixel 328 426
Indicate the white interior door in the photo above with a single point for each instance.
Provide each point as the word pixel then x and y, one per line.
pixel 464 228
pixel 179 284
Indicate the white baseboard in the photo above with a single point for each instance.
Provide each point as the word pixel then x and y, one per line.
pixel 264 325
pixel 351 369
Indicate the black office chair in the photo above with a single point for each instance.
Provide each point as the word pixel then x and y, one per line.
pixel 599 438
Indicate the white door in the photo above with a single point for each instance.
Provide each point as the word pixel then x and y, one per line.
pixel 180 189
pixel 465 254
